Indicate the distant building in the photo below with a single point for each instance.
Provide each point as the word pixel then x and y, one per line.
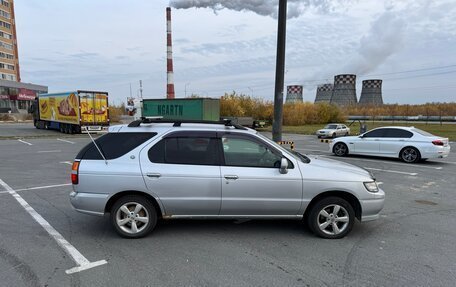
pixel 9 59
pixel 16 97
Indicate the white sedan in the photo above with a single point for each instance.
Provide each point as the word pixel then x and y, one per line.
pixel 333 130
pixel 407 143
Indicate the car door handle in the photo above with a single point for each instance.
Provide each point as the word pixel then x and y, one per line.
pixel 233 177
pixel 153 175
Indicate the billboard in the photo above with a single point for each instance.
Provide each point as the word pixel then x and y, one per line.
pixel 60 107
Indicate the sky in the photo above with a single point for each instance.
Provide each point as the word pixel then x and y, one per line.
pixel 225 46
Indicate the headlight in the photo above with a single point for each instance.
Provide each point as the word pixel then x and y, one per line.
pixel 371 186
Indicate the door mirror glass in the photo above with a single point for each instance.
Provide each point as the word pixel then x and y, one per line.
pixel 283 166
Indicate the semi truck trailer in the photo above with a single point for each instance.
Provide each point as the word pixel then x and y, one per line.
pixel 71 112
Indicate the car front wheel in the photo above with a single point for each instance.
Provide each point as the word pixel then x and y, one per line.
pixel 410 155
pixel 340 149
pixel 133 216
pixel 331 218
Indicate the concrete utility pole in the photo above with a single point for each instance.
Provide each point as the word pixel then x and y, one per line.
pixel 280 70
pixel 140 89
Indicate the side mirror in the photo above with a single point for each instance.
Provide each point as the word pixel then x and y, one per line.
pixel 283 166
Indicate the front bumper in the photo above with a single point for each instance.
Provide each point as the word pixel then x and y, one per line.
pixel 89 203
pixel 371 208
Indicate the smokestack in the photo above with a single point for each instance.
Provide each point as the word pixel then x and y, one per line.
pixel 169 57
pixel 371 94
pixel 294 94
pixel 324 93
pixel 344 93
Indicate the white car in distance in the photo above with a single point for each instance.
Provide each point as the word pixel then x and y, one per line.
pixel 407 143
pixel 333 130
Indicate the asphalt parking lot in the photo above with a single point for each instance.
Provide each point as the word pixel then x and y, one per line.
pixel 412 244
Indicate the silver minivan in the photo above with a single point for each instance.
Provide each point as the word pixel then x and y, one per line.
pixel 157 169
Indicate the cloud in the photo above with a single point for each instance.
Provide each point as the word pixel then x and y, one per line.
pixel 261 7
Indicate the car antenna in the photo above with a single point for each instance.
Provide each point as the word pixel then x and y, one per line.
pixel 99 150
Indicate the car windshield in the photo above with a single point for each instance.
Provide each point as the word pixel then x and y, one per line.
pixel 331 127
pixel 295 154
pixel 423 133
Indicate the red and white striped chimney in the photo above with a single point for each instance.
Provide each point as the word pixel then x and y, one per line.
pixel 169 57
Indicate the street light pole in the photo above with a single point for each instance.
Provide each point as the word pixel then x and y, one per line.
pixel 280 69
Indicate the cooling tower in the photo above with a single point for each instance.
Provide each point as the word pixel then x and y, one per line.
pixel 344 93
pixel 294 94
pixel 371 93
pixel 324 93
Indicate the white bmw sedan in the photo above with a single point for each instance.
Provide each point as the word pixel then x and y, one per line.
pixel 407 143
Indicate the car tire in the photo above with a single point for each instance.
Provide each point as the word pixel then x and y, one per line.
pixel 127 223
pixel 333 135
pixel 410 155
pixel 346 134
pixel 340 149
pixel 331 218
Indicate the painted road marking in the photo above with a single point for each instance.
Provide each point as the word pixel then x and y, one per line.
pixel 25 142
pixel 48 151
pixel 389 162
pixel 67 162
pixel 66 141
pixel 43 187
pixel 81 262
pixel 392 171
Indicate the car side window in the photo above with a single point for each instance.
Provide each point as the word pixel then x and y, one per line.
pixel 397 133
pixel 378 133
pixel 186 150
pixel 248 153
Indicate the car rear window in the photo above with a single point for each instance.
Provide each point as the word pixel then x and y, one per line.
pixel 114 145
pixel 423 133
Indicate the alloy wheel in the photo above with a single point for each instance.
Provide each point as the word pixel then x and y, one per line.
pixel 340 149
pixel 132 217
pixel 333 219
pixel 409 155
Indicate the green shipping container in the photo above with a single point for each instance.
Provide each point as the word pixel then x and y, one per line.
pixel 182 109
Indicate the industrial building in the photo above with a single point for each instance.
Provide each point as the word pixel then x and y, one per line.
pixel 324 93
pixel 371 93
pixel 294 94
pixel 344 92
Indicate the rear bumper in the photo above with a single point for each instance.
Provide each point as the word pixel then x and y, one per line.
pixel 371 207
pixel 89 203
pixel 436 152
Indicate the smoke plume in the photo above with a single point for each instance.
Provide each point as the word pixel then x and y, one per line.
pixel 261 7
pixel 384 38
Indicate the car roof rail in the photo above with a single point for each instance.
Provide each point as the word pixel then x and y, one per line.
pixel 178 123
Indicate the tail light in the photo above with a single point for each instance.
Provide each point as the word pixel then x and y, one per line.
pixel 438 142
pixel 74 172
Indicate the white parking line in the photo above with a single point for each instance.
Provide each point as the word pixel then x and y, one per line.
pixel 391 162
pixel 48 151
pixel 392 171
pixel 82 262
pixel 25 142
pixel 66 141
pixel 43 187
pixel 67 162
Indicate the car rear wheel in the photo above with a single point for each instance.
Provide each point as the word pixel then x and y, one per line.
pixel 133 216
pixel 333 135
pixel 331 218
pixel 340 149
pixel 410 155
